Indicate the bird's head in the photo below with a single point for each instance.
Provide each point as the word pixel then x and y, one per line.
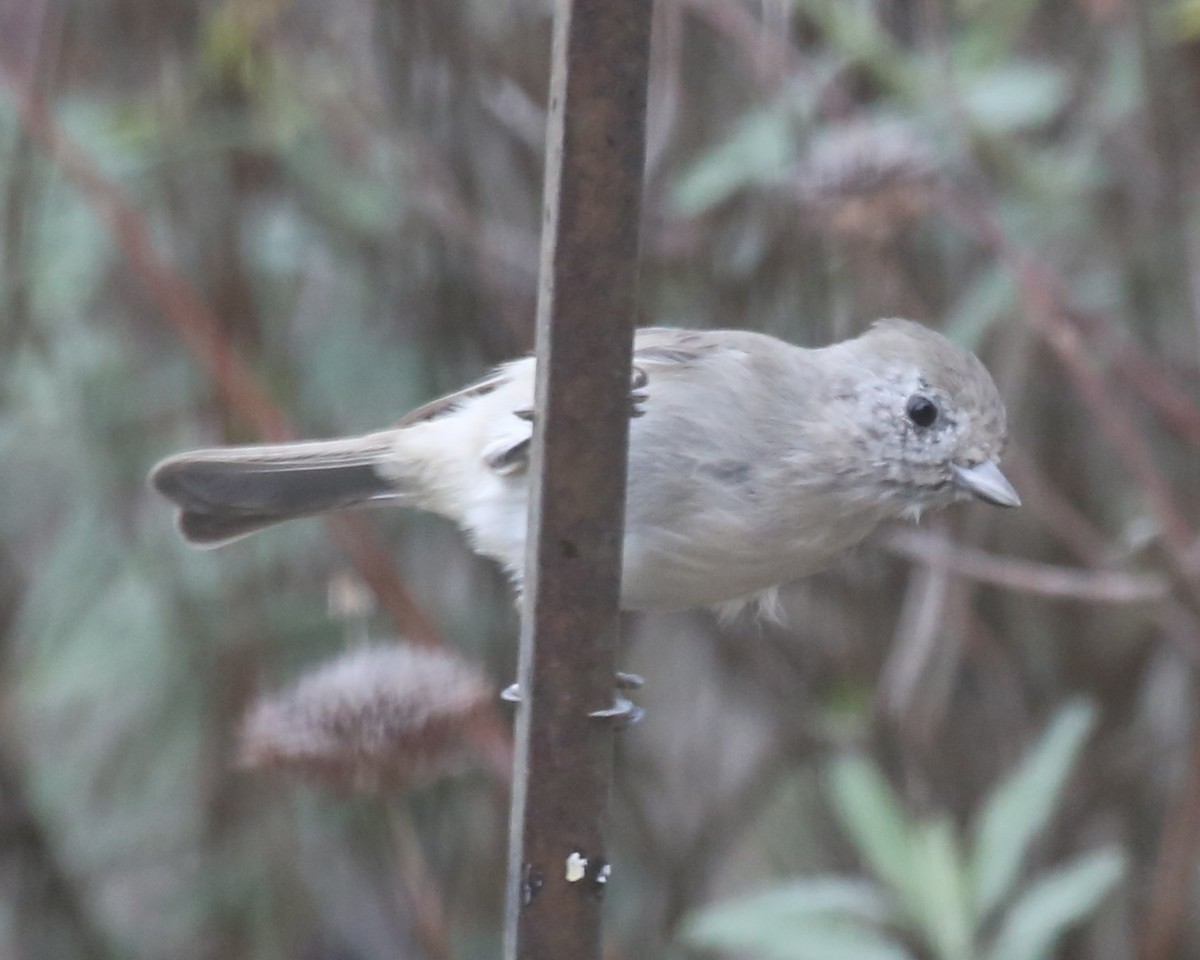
pixel 927 425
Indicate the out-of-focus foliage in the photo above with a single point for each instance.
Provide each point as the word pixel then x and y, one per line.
pixel 353 190
pixel 935 890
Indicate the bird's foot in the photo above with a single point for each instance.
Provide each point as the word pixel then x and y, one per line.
pixel 623 713
pixel 637 397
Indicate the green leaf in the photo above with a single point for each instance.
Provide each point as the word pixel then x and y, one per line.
pixel 813 940
pixel 873 818
pixel 70 257
pixel 994 30
pixel 825 895
pixel 1055 903
pixel 357 198
pixel 760 150
pixel 936 891
pixel 825 918
pixel 1183 20
pixel 856 31
pixel 985 301
pixel 1020 807
pixel 1016 96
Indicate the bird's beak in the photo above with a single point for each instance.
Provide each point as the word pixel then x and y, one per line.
pixel 986 482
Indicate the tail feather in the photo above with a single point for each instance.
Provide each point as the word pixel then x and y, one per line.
pixel 216 529
pixel 224 494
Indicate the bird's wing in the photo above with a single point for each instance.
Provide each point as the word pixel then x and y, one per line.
pixel 670 347
pixel 653 346
pixel 452 401
pixel 656 350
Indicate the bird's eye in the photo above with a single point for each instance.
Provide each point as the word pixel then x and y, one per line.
pixel 922 411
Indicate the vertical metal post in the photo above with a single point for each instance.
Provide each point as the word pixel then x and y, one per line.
pixel 595 149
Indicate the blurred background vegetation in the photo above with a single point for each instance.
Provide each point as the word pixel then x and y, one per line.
pixel 974 739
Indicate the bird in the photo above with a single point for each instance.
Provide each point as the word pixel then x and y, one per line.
pixel 753 462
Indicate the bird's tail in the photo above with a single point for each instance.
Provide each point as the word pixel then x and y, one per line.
pixel 229 492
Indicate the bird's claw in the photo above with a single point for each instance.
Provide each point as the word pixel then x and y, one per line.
pixel 638 395
pixel 623 713
pixel 637 398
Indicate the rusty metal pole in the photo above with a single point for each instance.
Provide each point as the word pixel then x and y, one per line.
pixel 595 148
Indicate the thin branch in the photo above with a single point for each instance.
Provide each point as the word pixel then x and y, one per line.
pixel 595 158
pixel 1179 625
pixel 1150 377
pixel 1026 576
pixel 915 649
pixel 1055 512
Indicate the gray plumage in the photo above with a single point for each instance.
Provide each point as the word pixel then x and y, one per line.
pixel 752 461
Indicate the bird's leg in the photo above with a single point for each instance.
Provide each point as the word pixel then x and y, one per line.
pixel 623 712
pixel 506 457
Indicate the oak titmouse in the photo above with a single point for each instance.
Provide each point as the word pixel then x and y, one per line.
pixel 751 462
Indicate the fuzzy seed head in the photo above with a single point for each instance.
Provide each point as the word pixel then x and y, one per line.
pixel 378 718
pixel 868 181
